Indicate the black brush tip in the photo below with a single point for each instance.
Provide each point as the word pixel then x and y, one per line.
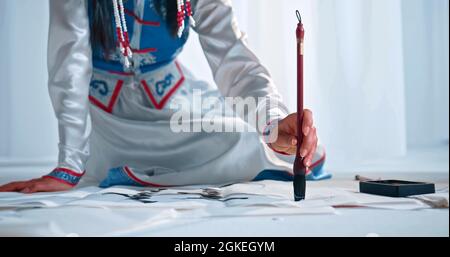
pixel 299 187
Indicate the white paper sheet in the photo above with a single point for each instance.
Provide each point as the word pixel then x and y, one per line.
pixel 252 194
pixel 12 199
pixel 260 211
pixel 280 194
pixel 117 211
pixel 81 221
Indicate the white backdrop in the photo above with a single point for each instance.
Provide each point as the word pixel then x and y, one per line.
pixel 376 70
pixel 376 73
pixel 28 131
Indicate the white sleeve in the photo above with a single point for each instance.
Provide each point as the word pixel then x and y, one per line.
pixel 69 69
pixel 236 70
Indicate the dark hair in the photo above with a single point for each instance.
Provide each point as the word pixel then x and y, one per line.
pixel 102 31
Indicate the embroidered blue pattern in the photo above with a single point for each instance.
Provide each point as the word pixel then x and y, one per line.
pixel 100 86
pixel 163 84
pixel 65 176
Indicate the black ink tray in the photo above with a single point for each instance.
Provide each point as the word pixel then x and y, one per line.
pixel 396 188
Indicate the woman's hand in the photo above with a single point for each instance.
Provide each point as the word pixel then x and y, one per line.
pixel 287 136
pixel 35 185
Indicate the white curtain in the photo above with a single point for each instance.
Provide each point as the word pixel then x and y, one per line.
pixel 376 70
pixel 426 45
pixel 28 130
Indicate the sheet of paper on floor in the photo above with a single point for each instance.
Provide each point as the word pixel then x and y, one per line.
pixel 12 199
pixel 81 221
pixel 263 194
pixel 121 210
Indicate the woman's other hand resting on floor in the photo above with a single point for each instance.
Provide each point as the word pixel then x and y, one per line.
pixel 35 185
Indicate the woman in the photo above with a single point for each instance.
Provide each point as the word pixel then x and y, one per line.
pixel 114 81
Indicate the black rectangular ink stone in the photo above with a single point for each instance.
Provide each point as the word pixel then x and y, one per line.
pixel 396 188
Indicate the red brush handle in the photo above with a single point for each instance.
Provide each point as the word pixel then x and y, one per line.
pixel 299 168
pixel 300 41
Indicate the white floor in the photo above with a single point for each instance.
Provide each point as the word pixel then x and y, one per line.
pixel 348 223
pixel 425 165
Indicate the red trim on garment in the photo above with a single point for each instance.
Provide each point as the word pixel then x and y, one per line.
pixel 160 105
pixel 113 100
pixel 149 94
pixel 60 180
pixel 132 176
pixel 144 51
pixel 69 171
pixel 141 21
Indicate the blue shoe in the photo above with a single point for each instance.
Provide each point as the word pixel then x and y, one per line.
pixel 118 177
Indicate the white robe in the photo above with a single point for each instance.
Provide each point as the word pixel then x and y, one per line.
pixel 136 134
